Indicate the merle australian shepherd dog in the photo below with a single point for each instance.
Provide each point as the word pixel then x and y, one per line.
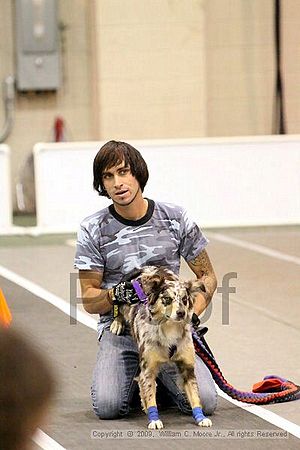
pixel 161 326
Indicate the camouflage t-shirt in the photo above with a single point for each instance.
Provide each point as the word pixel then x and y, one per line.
pixel 115 246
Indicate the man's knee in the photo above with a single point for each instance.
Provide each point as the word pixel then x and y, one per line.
pixel 108 405
pixel 209 402
pixel 206 387
pixel 107 408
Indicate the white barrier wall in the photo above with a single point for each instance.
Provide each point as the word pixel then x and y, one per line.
pixel 222 182
pixel 5 190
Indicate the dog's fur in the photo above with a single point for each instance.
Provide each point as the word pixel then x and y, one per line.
pixel 161 328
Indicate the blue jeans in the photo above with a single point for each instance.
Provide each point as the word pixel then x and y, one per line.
pixel 117 365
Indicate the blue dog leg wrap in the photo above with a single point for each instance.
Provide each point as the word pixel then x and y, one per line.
pixel 198 414
pixel 153 413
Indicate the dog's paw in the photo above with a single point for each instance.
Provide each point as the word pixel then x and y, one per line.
pixel 205 423
pixel 155 425
pixel 117 327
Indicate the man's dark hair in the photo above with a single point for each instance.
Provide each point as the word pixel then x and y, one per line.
pixel 114 153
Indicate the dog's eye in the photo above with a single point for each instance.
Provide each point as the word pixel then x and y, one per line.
pixel 184 300
pixel 167 300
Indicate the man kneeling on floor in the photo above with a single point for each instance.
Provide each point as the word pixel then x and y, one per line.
pixel 133 232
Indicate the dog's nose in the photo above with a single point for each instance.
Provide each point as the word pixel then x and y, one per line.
pixel 180 314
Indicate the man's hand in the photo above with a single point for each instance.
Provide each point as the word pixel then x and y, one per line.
pixel 200 330
pixel 124 292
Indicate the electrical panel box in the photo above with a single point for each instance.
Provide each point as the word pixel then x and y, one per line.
pixel 37 45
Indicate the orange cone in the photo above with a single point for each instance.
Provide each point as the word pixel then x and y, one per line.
pixel 5 314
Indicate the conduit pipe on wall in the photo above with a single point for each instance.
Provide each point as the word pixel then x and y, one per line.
pixel 8 95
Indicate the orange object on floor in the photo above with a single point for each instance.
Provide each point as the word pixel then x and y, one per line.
pixel 269 385
pixel 5 314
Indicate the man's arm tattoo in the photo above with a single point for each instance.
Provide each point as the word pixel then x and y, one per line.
pixel 202 267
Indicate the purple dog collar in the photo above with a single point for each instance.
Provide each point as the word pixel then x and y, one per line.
pixel 139 291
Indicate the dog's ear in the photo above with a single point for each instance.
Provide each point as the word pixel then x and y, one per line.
pixel 194 287
pixel 152 285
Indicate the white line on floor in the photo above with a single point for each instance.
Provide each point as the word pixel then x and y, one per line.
pixel 46 442
pixel 254 247
pixel 264 414
pixel 58 302
pixel 85 319
pixel 41 438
